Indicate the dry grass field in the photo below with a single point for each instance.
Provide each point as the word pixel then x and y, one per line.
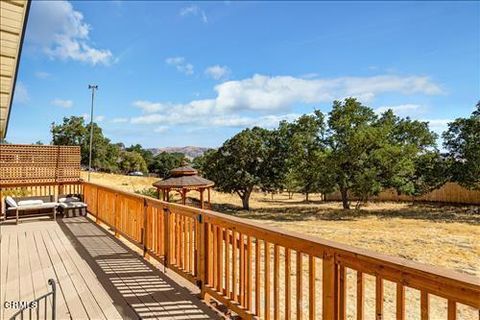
pixel 447 236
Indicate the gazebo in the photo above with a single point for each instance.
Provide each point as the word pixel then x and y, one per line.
pixel 183 180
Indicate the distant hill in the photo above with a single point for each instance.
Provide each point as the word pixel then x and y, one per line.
pixel 189 151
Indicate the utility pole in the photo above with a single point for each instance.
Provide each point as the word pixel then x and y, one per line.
pixel 93 88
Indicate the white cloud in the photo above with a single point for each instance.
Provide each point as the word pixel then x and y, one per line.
pixel 402 109
pixel 266 93
pixel 194 10
pixel 261 94
pixel 217 72
pixel 270 121
pixel 161 129
pixel 149 107
pixel 62 103
pixel 21 93
pixel 181 64
pixel 61 32
pixel 119 120
pixel 99 118
pixel 42 75
pixel 85 116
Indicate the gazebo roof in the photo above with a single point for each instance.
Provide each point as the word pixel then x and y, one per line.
pixel 189 182
pixel 184 177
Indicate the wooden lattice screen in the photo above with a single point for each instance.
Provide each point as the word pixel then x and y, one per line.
pixel 28 164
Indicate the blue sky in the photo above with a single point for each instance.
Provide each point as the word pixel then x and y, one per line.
pixel 196 73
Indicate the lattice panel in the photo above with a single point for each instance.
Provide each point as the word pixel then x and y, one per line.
pixel 37 164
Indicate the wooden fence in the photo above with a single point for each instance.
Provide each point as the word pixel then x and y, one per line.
pixel 264 272
pixel 449 193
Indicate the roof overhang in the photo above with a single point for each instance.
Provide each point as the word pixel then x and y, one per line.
pixel 13 21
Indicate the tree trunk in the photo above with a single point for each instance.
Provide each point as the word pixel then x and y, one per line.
pixel 306 196
pixel 346 204
pixel 246 202
pixel 245 196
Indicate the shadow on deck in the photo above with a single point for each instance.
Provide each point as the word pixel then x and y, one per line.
pixel 138 288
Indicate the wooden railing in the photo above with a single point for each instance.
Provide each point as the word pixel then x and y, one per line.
pixel 264 272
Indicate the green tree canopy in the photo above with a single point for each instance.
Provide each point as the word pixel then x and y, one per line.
pixel 462 141
pixel 131 161
pixel 73 132
pixel 243 162
pixel 147 155
pixel 163 162
pixel 370 153
pixel 305 154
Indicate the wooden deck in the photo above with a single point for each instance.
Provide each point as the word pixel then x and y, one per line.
pixel 97 275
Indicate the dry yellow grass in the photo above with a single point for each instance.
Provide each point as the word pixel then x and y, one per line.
pixel 446 236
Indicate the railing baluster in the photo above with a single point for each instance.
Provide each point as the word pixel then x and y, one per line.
pixel 215 256
pixel 328 282
pixel 220 259
pixel 379 298
pixel 452 310
pixel 424 305
pixel 257 276
pixel 299 286
pixel 288 298
pixel 342 293
pixel 241 248
pixel 267 279
pixel 276 286
pixel 234 266
pixel 360 296
pixel 400 302
pixel 248 262
pixel 311 287
pixel 227 263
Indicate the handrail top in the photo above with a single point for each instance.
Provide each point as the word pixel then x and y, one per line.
pixel 331 246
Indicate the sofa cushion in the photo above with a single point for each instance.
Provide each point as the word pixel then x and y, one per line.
pixel 68 199
pixel 29 202
pixel 9 200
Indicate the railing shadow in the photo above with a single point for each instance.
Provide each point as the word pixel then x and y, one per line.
pixel 138 288
pixel 418 211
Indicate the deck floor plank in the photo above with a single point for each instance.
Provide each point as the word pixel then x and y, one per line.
pixel 40 286
pixel 104 301
pixel 12 283
pixel 25 272
pixel 72 299
pixel 86 297
pixel 49 273
pixel 4 247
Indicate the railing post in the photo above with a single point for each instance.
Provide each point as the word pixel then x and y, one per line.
pixel 330 291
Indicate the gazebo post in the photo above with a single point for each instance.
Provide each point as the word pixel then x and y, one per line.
pixel 208 191
pixel 184 196
pixel 202 206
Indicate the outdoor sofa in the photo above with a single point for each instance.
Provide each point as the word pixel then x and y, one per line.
pixel 68 205
pixel 29 206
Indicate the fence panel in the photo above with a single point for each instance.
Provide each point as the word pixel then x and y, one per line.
pixel 450 193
